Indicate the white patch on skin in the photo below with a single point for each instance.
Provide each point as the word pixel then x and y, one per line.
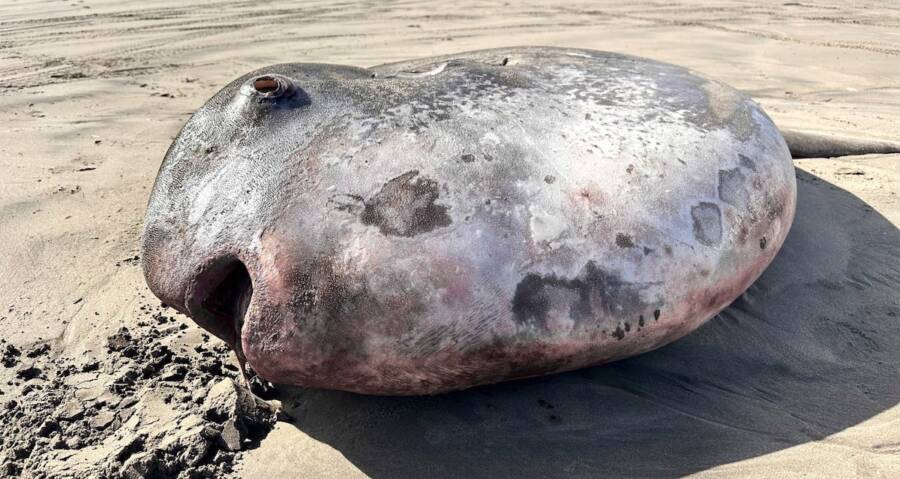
pixel 490 139
pixel 357 251
pixel 559 321
pixel 416 74
pixel 202 200
pixel 546 226
pixel 256 242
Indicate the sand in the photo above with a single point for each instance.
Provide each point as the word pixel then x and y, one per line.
pixel 798 378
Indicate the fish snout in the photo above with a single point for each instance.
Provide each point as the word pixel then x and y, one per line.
pixel 218 296
pixel 213 287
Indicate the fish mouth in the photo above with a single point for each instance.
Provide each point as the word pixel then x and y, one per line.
pixel 219 297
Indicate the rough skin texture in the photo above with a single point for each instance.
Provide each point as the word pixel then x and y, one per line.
pixel 433 225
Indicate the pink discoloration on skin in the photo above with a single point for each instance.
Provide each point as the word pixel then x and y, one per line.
pixel 421 234
pixel 430 374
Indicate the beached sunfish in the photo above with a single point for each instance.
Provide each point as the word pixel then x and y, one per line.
pixel 437 224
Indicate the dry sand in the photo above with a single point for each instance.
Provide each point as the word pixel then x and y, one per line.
pixel 800 377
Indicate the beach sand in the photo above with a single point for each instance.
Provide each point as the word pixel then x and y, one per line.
pixel 800 377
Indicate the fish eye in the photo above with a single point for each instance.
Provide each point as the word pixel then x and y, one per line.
pixel 271 86
pixel 275 90
pixel 266 84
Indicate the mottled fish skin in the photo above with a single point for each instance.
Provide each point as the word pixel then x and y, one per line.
pixel 437 224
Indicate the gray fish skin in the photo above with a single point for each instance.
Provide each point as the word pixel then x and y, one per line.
pixel 432 225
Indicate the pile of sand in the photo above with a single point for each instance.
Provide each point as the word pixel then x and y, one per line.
pixel 104 418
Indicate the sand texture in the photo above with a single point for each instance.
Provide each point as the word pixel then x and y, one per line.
pixel 800 377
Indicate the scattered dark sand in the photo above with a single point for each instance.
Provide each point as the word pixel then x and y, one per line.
pixel 218 417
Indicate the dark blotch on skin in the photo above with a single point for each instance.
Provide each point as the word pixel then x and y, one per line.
pixel 468 158
pixel 707 223
pixel 746 162
pixel 732 188
pixel 624 241
pixel 619 333
pixel 762 243
pixel 641 321
pixel 656 315
pixel 594 290
pixel 405 206
pixel 549 179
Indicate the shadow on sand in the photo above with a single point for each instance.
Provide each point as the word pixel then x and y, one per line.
pixel 810 349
